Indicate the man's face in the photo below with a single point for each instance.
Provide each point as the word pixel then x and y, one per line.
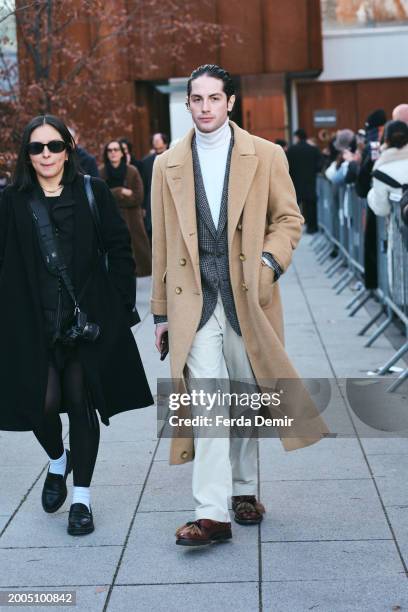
pixel 158 144
pixel 208 103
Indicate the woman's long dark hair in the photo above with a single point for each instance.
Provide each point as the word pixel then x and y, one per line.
pixel 24 177
pixel 115 177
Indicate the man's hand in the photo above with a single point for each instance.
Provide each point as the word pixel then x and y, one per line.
pixel 161 328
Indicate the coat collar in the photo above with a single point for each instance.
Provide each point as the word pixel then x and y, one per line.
pixel 84 249
pixel 180 178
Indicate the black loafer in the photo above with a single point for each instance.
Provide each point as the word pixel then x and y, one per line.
pixel 55 491
pixel 80 520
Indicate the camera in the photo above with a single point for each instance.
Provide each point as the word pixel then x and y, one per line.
pixel 81 330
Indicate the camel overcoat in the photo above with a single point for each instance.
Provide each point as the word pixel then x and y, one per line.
pixel 263 215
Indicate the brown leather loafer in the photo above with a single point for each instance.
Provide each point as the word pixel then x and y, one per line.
pixel 202 532
pixel 247 510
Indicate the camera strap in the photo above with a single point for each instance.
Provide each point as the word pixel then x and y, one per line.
pixel 49 246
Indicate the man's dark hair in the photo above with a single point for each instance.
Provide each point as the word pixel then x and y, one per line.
pixel 216 72
pixel 24 177
pixel 281 142
pixel 301 134
pixel 163 136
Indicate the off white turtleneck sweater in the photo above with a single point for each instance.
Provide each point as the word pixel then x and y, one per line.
pixel 212 149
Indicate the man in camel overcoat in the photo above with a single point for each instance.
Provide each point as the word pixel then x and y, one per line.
pixel 225 224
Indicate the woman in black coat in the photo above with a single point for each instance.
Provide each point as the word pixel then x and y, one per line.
pixel 50 362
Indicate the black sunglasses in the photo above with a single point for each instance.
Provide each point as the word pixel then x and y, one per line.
pixel 54 146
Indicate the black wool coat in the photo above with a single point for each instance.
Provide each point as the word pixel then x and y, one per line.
pixel 114 372
pixel 305 161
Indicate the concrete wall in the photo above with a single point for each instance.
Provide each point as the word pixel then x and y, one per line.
pixel 365 53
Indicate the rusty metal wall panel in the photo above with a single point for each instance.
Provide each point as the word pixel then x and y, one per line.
pixel 241 22
pixel 353 101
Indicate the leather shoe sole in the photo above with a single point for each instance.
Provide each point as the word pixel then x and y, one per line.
pixel 213 540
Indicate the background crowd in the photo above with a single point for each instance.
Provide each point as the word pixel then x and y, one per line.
pixel 374 159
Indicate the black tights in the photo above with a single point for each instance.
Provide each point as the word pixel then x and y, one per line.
pixel 67 387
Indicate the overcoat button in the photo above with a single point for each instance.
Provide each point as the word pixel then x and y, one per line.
pixel 242 257
pixel 239 226
pixel 244 287
pixel 178 290
pixel 183 261
pixel 184 455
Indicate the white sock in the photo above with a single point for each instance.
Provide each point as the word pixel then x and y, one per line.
pixel 82 495
pixel 58 466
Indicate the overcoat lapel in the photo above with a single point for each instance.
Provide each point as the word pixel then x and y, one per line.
pixel 244 163
pixel 180 179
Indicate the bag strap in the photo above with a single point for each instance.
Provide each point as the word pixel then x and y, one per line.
pixel 387 179
pixel 49 245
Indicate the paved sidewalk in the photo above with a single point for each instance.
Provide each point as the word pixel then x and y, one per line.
pixel 335 536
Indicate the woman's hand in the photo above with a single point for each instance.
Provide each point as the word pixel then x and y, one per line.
pixel 127 192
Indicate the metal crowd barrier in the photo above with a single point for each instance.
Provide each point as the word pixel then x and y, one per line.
pixel 342 219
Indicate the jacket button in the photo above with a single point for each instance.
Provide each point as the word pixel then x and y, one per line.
pixel 184 455
pixel 244 287
pixel 178 290
pixel 183 261
pixel 239 226
pixel 242 257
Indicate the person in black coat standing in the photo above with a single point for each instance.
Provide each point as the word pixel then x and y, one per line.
pixel 305 161
pixel 159 144
pixel 50 360
pixel 87 162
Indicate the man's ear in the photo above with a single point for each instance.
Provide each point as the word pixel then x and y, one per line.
pixel 231 103
pixel 188 104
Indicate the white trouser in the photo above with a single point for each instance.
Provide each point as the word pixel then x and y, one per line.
pixel 223 466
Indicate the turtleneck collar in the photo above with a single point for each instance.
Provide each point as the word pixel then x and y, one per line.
pixel 214 140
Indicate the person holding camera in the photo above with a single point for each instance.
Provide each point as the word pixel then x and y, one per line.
pixel 67 291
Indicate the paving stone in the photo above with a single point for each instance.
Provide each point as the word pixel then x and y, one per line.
pixel 376 595
pixel 152 556
pixel 131 426
pixel 391 475
pixel 237 597
pixel 58 567
pixel 329 458
pixel 398 516
pixel 16 481
pixel 386 445
pixel 122 463
pixel 168 488
pixel 322 510
pixel 324 561
pixel 3 521
pixel 33 528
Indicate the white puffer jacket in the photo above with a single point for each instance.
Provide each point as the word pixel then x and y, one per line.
pixel 393 162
